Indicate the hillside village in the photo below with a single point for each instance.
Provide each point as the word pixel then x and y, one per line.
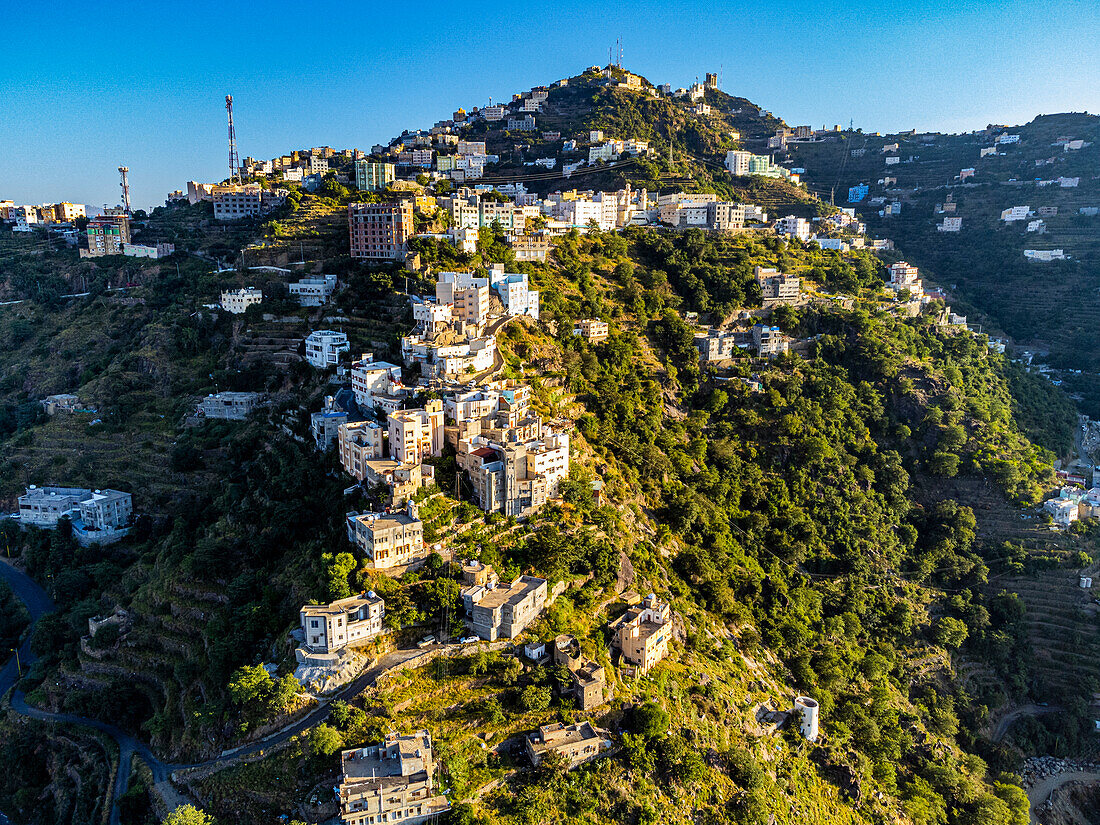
pixel 509 589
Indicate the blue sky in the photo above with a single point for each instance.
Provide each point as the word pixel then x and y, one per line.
pixel 87 88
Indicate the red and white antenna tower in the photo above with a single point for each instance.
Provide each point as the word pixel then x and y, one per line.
pixel 234 162
pixel 122 170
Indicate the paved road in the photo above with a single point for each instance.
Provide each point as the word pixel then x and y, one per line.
pixel 1039 793
pixel 38 604
pixel 1010 718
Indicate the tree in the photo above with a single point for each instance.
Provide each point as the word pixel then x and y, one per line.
pixel 188 815
pixel 535 698
pixel 650 720
pixel 950 632
pixel 338 568
pixel 284 691
pixel 250 686
pixel 325 740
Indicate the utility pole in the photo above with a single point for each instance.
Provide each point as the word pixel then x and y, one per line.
pixel 234 162
pixel 122 170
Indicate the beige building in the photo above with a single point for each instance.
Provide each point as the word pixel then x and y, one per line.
pixel 388 539
pixel 577 743
pixel 777 286
pixel 643 633
pixel 106 236
pixel 329 628
pixel 236 301
pixel 468 296
pixel 504 613
pixel 69 212
pixel 359 442
pixel 416 434
pixel 390 782
pixel 513 476
pixel 587 679
pixel 591 330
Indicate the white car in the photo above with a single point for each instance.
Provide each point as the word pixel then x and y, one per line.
pixel 469 640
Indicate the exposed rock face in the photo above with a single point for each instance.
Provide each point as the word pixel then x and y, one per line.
pixel 625 578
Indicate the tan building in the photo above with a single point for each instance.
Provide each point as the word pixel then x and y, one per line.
pixel 352 621
pixel 591 330
pixel 390 782
pixel 69 212
pixel 106 236
pixel 476 574
pixel 776 286
pixel 587 679
pixel 515 477
pixel 380 231
pixel 577 743
pixel 359 442
pixel 504 613
pixel 643 633
pixel 388 539
pixel 416 434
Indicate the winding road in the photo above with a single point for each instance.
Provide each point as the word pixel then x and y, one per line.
pixel 1010 718
pixel 1042 791
pixel 39 604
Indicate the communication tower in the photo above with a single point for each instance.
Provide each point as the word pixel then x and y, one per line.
pixel 234 162
pixel 122 170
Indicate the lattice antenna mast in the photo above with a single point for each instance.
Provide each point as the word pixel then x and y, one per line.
pixel 122 170
pixel 234 162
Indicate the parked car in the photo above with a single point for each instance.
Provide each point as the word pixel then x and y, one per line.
pixel 427 641
pixel 469 640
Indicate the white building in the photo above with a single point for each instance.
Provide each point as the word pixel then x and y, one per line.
pixel 1015 213
pixel 370 380
pixel 950 225
pixel 516 295
pixel 324 346
pixel 236 301
pixel 794 227
pixel 1045 255
pixel 1064 511
pixel 314 292
pixel 332 627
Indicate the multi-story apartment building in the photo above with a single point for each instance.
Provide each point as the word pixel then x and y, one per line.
pixel 236 301
pixel 324 346
pixel 521 124
pixel 372 379
pixel 332 627
pixel 373 175
pixel 468 296
pixel 416 434
pixel 45 506
pixel 777 286
pixel 325 425
pixel 359 442
pixel 505 612
pixel 229 406
pixel 388 539
pixel 770 341
pixel 592 330
pixel 718 345
pixel 106 236
pixel 232 203
pixel 794 227
pixel 514 291
pixel 903 275
pixel 515 477
pixel 69 212
pixel 643 633
pixel 380 231
pixel 392 782
pixel 577 743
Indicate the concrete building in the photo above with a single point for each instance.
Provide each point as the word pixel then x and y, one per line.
pixel 466 295
pixel 372 379
pixel 515 477
pixel 332 627
pixel 357 443
pixel 504 613
pixel 794 227
pixel 380 231
pixel 233 203
pixel 770 341
pixel 314 291
pixel 97 516
pixel 643 633
pixel 530 247
pixel 950 224
pixel 390 782
pixel 324 425
pixel 576 743
pixel 1063 511
pixel 229 406
pixel 592 330
pixel 521 124
pixel 416 434
pixel 324 346
pixel 776 286
pixel 514 291
pixel 1015 213
pixel 718 345
pixel 587 679
pixel 388 539
pixel 236 301
pixel 106 235
pixel 160 250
